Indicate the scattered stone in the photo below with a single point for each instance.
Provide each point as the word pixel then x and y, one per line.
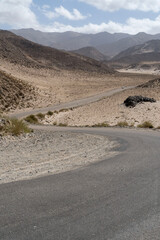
pixel 15 93
pixel 25 157
pixel 132 101
pixel 3 123
pixel 155 83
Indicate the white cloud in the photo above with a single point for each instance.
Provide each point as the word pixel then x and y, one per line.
pixel 45 6
pixel 114 5
pixel 131 26
pixel 61 11
pixel 17 13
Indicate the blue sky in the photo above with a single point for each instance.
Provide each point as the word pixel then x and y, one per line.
pixel 87 16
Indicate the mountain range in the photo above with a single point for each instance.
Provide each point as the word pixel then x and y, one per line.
pixel 146 52
pixel 91 52
pixel 108 44
pixel 18 50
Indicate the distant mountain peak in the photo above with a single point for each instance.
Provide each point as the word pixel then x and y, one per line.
pixel 91 52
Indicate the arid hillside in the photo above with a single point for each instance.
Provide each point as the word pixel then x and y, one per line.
pixel 57 76
pixel 111 111
pixel 147 52
pixel 15 93
pixel 20 51
pixel 91 52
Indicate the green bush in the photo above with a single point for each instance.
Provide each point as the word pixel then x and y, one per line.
pixel 146 124
pixel 104 124
pixel 122 124
pixel 40 116
pixel 56 111
pixel 31 119
pixel 64 110
pixel 49 113
pixel 16 127
pixel 62 125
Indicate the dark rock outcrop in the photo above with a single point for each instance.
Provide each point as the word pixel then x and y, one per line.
pixel 132 101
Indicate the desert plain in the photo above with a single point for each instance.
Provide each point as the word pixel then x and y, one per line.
pixel 37 86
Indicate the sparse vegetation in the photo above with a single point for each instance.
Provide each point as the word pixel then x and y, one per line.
pixel 62 125
pixel 122 124
pixel 40 116
pixel 146 124
pixel 64 110
pixel 31 119
pixel 104 124
pixel 15 93
pixel 49 113
pixel 17 127
pixel 56 111
pixel 14 127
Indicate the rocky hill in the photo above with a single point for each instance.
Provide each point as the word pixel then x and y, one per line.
pixel 147 52
pixel 20 51
pixel 114 48
pixel 91 52
pixel 15 93
pixel 155 83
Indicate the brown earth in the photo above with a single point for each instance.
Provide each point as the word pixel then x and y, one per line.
pixel 91 52
pixel 15 93
pixel 148 51
pixel 20 51
pixel 111 110
pixel 57 76
pixel 56 87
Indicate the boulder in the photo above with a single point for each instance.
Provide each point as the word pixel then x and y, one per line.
pixel 132 101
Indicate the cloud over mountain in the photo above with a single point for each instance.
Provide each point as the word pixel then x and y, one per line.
pixel 89 16
pixel 114 5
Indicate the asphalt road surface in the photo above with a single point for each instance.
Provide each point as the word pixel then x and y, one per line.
pixel 75 103
pixel 115 199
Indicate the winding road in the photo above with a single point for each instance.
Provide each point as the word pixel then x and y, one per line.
pixel 115 199
pixel 75 103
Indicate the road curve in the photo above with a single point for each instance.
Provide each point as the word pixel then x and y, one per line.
pixel 76 103
pixel 115 199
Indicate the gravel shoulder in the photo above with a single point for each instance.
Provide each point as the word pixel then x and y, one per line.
pixel 43 152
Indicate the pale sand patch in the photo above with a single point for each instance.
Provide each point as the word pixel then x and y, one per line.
pixel 152 71
pixel 45 152
pixel 143 68
pixel 111 110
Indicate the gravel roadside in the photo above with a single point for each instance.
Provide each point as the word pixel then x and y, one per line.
pixel 43 152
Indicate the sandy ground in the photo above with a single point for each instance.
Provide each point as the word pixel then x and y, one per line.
pixel 56 86
pixel 43 153
pixel 143 68
pixel 112 111
pixel 152 71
